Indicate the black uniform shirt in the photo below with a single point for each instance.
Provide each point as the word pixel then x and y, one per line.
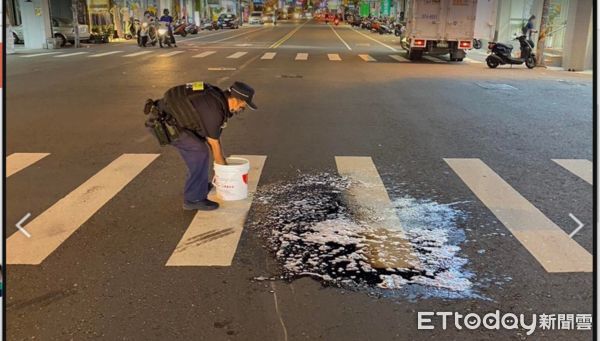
pixel 213 109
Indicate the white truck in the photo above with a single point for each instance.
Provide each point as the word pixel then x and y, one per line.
pixel 439 27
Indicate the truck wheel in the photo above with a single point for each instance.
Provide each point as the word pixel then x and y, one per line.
pixel 415 54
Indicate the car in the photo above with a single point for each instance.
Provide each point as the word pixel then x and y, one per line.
pixel 308 15
pixel 62 29
pixel 255 18
pixel 228 20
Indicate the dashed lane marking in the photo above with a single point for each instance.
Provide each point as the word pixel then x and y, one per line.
pixel 580 167
pixel 212 237
pixel 171 54
pixel 204 54
pixel 70 54
pixel 399 58
pixel 39 54
pixel 237 55
pixel 302 56
pixel 19 161
pixel 548 243
pixel 367 58
pixel 104 54
pixel 268 55
pixel 54 226
pixel 136 54
pixel 334 57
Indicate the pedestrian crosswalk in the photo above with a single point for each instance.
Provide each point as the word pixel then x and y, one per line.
pixel 299 57
pixel 212 238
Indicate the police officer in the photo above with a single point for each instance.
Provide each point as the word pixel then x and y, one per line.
pixel 201 112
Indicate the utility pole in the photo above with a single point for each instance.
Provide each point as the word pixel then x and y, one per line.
pixel 541 44
pixel 75 23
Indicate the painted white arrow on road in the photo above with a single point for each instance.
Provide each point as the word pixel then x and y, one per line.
pixel 21 228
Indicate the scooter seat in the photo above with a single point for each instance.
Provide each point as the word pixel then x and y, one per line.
pixel 507 46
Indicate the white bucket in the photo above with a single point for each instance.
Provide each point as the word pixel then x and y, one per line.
pixel 231 180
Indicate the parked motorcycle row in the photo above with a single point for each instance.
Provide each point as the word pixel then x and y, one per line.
pixel 378 25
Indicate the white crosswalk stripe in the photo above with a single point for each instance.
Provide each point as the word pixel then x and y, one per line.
pixel 398 58
pixel 434 59
pixel 368 192
pixel 547 242
pixel 171 54
pixel 39 54
pixel 367 58
pixel 268 55
pixel 212 237
pixel 580 167
pixel 334 57
pixel 204 54
pixel 18 161
pixel 104 54
pixel 70 54
pixel 237 55
pixel 136 54
pixel 51 228
pixel 301 56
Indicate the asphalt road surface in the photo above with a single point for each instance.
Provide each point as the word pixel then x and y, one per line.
pixel 484 141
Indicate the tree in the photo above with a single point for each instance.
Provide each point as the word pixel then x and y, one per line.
pixel 544 26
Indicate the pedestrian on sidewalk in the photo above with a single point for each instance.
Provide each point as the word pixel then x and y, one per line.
pixel 529 27
pixel 200 112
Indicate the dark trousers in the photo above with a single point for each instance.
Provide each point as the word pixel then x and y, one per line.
pixel 196 155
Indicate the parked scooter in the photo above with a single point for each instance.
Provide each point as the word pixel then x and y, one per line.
pixel 210 25
pixel 501 54
pixel 192 28
pixel 179 28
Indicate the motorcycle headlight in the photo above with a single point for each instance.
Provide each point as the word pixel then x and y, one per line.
pixel 145 24
pixel 162 31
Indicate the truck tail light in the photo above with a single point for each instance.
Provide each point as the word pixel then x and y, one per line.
pixel 419 42
pixel 465 44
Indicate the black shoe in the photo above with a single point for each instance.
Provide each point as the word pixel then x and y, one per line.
pixel 202 205
pixel 210 187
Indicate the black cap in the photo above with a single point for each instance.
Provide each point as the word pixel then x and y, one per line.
pixel 244 92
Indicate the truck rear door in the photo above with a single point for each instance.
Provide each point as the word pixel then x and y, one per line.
pixel 460 19
pixel 424 19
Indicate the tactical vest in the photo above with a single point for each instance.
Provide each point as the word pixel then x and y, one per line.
pixel 178 100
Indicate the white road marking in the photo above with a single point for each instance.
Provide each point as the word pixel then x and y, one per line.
pixel 342 40
pixel 398 58
pixel 39 54
pixel 204 54
pixel 367 58
pixel 212 237
pixel 434 59
pixel 51 228
pixel 237 55
pixel 70 54
pixel 472 61
pixel 170 54
pixel 579 225
pixel 104 54
pixel 302 56
pixel 136 54
pixel 268 55
pixel 19 161
pixel 221 69
pixel 581 167
pixel 375 40
pixel 546 241
pixel 334 57
pixel 369 197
